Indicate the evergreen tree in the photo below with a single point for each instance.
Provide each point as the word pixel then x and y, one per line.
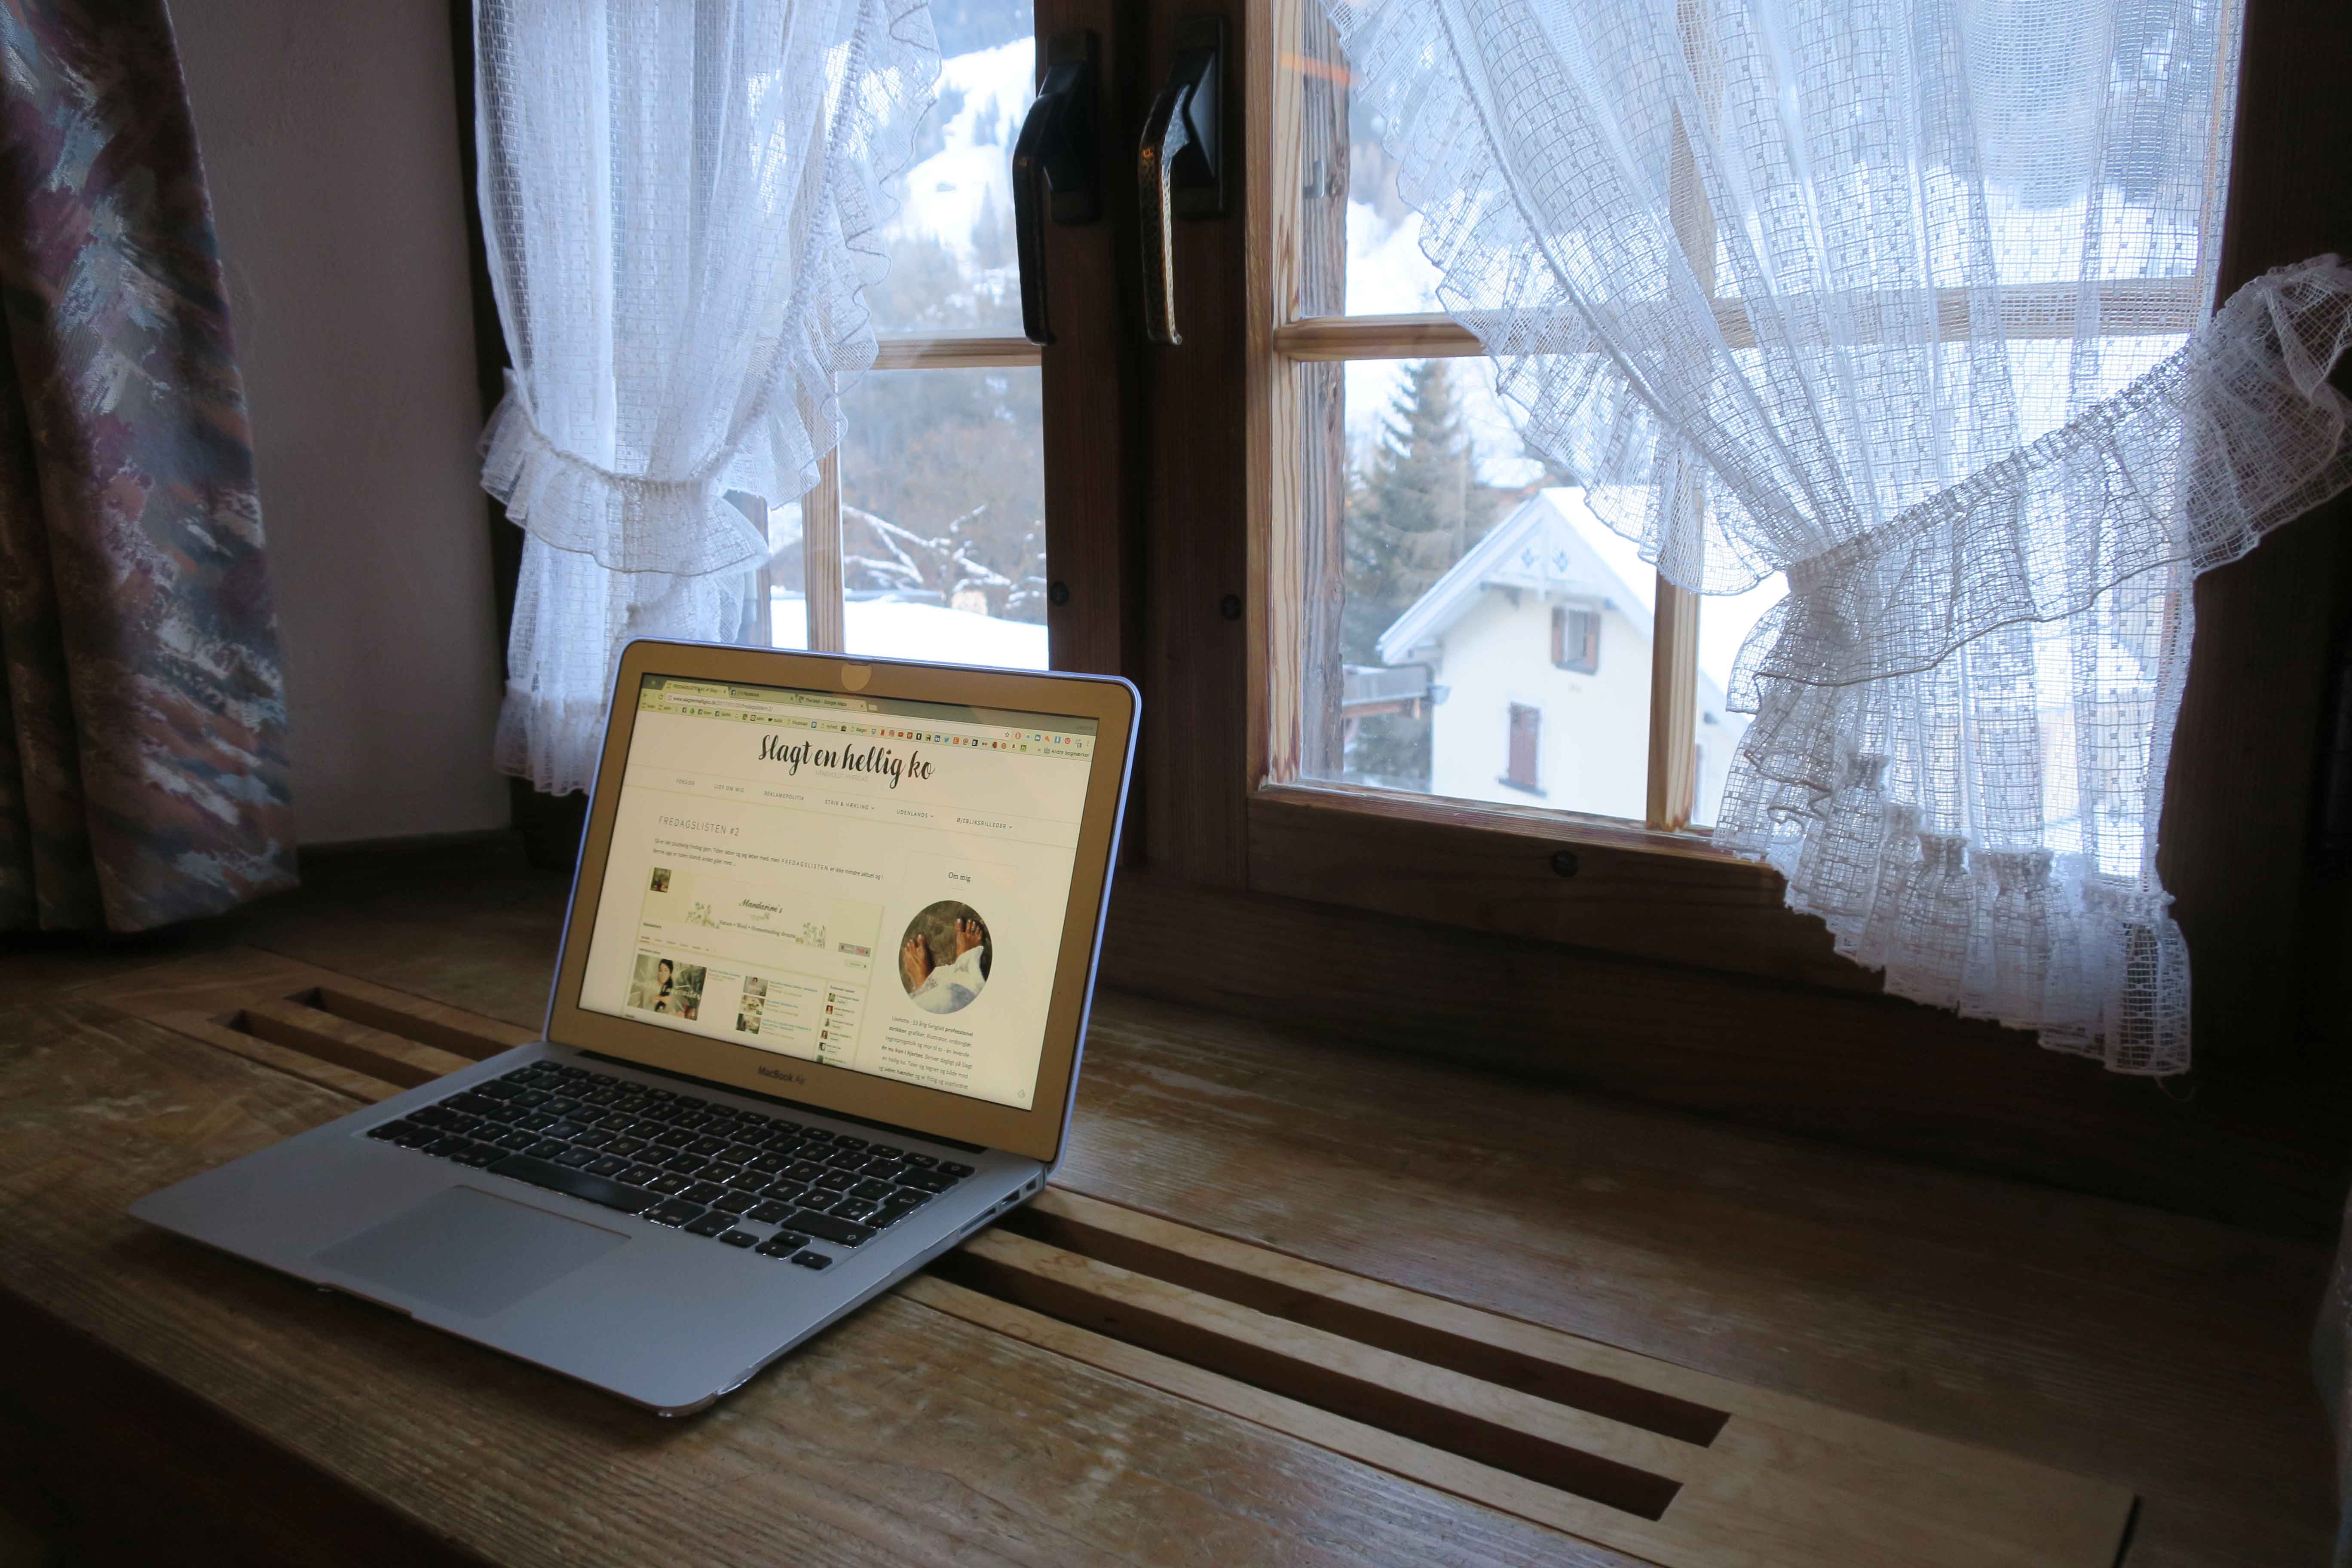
pixel 1412 513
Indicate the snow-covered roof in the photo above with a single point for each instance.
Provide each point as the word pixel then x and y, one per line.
pixel 1554 547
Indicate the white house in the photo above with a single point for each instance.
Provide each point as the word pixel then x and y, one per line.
pixel 1537 651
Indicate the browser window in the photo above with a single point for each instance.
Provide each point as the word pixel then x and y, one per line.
pixel 871 883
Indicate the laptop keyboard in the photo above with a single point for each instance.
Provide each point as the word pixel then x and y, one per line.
pixel 741 1178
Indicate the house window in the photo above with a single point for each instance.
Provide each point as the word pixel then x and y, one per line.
pixel 1576 639
pixel 1525 746
pixel 925 535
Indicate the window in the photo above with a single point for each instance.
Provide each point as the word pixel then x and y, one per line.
pixel 1576 639
pixel 1525 746
pixel 925 537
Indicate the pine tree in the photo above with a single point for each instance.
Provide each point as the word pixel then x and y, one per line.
pixel 1412 513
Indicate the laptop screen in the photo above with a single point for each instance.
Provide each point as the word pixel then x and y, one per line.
pixel 870 883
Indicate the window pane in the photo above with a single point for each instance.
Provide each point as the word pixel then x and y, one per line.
pixel 1724 622
pixel 942 516
pixel 952 264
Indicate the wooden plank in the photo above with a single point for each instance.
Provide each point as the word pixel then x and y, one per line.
pixel 452 1029
pixel 1089 384
pixel 359 1046
pixel 955 350
pixel 1955 1482
pixel 1195 753
pixel 2134 307
pixel 1494 871
pixel 821 581
pixel 899 1436
pixel 1772 1495
pixel 363 1086
pixel 1863 1070
pixel 1358 1440
pixel 1673 774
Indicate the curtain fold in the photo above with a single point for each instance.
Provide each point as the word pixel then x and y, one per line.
pixel 143 768
pixel 682 201
pixel 1909 300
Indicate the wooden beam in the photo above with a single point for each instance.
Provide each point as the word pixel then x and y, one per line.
pixel 956 350
pixel 2131 307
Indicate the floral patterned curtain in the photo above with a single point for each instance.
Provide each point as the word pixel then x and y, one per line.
pixel 144 773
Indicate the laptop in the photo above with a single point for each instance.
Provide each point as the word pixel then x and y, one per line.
pixel 816 1019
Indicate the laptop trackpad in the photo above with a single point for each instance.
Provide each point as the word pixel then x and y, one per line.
pixel 470 1252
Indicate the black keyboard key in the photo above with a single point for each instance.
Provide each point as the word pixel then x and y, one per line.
pixel 480 1154
pixel 768 1211
pixel 594 1138
pixel 846 1159
pixel 720 1171
pixel 781 1245
pixel 447 1145
pixel 566 1130
pixel 471 1103
pixel 749 1181
pixel 925 1160
pixel 497 1091
pixel 669 1184
pixel 638 1175
pixel 610 1165
pixel 561 1105
pixel 676 1211
pixel 803 1171
pixel 873 1192
pixel 890 1213
pixel 390 1131
pixel 627 1146
pixel 739 1239
pixel 768 1165
pixel 825 1227
pixel 418 1137
pixel 703 1192
pixel 674 1137
pixel 844 1141
pixel 643 1127
pixel 579 1183
pixel 785 1192
pixel 530 1100
pixel 516 1142
pixel 615 1121
pixel 546 1149
pixel 927 1181
pixel 707 1147
pixel 535 1121
pixel 834 1180
pixel 685 1164
pixel 521 1072
pixel 885 1151
pixel 688 1102
pixel 812 1260
pixel 739 1154
pixel 734 1203
pixel 882 1170
pixel 653 1091
pixel 952 1169
pixel 712 1224
pixel 576 1158
pixel 433 1116
pixel 857 1211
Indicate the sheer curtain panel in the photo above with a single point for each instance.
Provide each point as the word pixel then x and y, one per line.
pixel 682 201
pixel 1909 300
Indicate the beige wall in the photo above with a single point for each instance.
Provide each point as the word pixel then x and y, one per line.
pixel 330 141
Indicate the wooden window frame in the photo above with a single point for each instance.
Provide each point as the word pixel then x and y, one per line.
pixel 1586 658
pixel 1649 889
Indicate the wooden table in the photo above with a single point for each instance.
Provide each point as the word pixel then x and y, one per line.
pixel 156 1395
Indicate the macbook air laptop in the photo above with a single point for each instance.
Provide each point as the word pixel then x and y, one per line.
pixel 817 1018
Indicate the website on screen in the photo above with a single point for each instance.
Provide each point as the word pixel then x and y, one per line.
pixel 865 882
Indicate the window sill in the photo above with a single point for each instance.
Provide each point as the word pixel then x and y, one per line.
pixel 1496 868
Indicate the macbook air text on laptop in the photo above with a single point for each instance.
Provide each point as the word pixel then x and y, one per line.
pixel 817 1017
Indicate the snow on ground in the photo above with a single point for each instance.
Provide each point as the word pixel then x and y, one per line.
pixel 946 191
pixel 889 629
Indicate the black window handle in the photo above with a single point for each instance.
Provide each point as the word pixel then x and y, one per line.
pixel 1054 167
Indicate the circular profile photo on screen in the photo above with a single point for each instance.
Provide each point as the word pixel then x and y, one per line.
pixel 944 958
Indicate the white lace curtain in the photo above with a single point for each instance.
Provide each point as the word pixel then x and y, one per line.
pixel 1896 297
pixel 681 200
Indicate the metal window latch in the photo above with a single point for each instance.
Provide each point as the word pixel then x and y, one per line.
pixel 1180 164
pixel 1054 167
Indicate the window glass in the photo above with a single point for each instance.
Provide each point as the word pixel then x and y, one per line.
pixel 942 516
pixel 950 241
